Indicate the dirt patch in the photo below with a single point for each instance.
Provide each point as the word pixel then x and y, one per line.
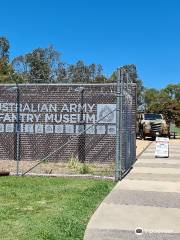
pixel 63 168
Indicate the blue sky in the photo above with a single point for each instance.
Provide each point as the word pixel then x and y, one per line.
pixel 109 32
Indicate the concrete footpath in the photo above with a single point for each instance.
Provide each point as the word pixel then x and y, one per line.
pixel 148 198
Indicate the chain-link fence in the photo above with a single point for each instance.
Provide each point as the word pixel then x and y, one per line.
pixel 125 124
pixel 67 128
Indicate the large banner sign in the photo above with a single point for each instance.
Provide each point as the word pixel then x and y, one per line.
pixel 50 115
pixel 58 118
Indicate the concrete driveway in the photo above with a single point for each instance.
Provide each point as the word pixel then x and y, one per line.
pixel 147 199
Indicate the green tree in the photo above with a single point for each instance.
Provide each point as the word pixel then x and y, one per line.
pixel 39 66
pixel 21 68
pixel 78 72
pixel 132 71
pixel 4 55
pixel 151 96
pixel 170 109
pixel 100 79
pixel 7 74
pixel 39 70
pixel 61 72
pixel 82 73
pixel 96 73
pixel 165 101
pixel 172 91
pixel 4 47
pixel 92 71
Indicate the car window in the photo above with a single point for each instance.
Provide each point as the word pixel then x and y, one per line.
pixel 152 116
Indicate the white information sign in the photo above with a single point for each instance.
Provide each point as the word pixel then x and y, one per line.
pixel 162 147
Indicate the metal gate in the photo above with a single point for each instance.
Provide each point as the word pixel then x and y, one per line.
pixel 125 123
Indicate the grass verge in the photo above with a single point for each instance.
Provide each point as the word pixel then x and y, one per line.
pixel 175 129
pixel 48 208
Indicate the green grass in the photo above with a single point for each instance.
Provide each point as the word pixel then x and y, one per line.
pixel 175 129
pixel 48 208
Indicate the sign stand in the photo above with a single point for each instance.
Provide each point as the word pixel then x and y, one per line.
pixel 162 147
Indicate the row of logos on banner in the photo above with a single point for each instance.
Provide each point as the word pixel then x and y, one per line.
pixel 59 129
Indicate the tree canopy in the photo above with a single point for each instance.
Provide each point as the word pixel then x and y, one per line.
pixel 165 101
pixel 44 65
pixel 132 71
pixel 4 56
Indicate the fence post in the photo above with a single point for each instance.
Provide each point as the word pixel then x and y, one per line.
pixel 82 125
pixel 118 167
pixel 18 130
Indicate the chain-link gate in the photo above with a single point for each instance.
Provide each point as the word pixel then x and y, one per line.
pixel 57 129
pixel 125 123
